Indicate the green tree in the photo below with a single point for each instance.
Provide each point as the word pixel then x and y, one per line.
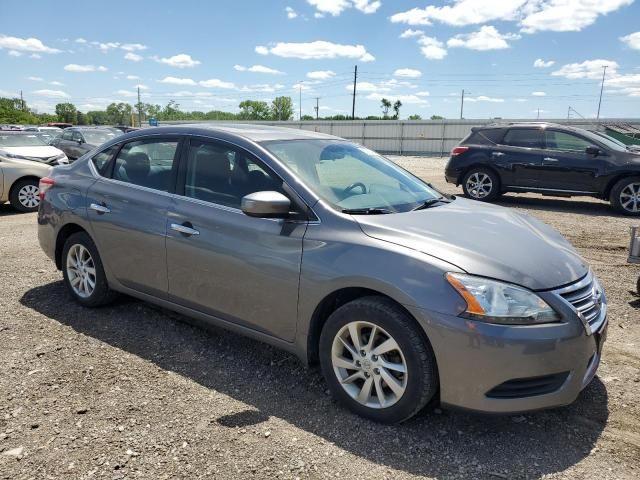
pixel 282 108
pixel 66 112
pixel 254 110
pixel 396 109
pixel 12 110
pixel 415 116
pixel 436 117
pixel 385 105
pixel 81 118
pixel 97 117
pixel 119 113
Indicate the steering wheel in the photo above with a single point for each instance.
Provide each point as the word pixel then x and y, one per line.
pixel 362 186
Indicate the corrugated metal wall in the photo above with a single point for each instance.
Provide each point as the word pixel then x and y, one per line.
pixel 415 137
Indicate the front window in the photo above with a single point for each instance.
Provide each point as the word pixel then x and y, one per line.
pixel 352 177
pixel 565 142
pixel 21 140
pixel 98 137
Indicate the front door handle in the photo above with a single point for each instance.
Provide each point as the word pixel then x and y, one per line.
pixel 550 159
pixel 99 208
pixel 185 229
pixel 497 154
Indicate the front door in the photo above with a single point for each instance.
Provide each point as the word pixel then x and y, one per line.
pixel 519 157
pixel 221 262
pixel 128 212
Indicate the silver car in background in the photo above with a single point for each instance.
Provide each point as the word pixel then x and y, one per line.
pixel 328 250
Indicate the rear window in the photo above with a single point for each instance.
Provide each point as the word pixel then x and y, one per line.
pixel 523 137
pixel 489 136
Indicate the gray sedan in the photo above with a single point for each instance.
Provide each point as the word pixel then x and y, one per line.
pixel 328 250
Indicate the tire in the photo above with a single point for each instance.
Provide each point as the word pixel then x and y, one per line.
pixel 80 245
pixel 481 184
pixel 413 389
pixel 625 196
pixel 24 195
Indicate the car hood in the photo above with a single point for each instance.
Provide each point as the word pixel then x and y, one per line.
pixel 44 151
pixel 484 240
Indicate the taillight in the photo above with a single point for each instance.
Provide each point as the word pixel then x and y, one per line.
pixel 45 184
pixel 458 151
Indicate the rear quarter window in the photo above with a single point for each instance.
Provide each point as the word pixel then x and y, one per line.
pixel 490 136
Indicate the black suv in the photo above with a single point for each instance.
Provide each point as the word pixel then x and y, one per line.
pixel 545 158
pixel 76 141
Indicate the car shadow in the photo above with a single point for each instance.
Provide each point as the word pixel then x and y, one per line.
pixel 436 443
pixel 557 204
pixel 7 210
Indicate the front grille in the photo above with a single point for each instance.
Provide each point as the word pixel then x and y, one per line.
pixel 528 387
pixel 587 299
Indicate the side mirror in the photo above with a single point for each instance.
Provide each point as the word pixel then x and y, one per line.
pixel 595 151
pixel 265 205
pixel 80 141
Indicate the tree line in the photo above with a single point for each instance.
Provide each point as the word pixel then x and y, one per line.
pixel 16 111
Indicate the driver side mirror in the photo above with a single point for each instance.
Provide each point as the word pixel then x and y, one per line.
pixel 595 151
pixel 265 205
pixel 80 141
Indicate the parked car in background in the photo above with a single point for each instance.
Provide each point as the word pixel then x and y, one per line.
pixel 25 157
pixel 76 141
pixel 632 147
pixel 48 133
pixel 59 124
pixel 545 158
pixel 326 249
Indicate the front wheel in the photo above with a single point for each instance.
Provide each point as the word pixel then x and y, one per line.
pixel 481 184
pixel 376 361
pixel 625 196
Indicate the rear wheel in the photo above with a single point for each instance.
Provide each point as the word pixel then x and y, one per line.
pixel 24 195
pixel 376 361
pixel 83 272
pixel 625 196
pixel 481 184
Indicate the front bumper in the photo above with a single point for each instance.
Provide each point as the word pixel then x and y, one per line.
pixel 477 359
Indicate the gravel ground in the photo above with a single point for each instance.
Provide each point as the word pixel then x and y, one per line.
pixel 131 391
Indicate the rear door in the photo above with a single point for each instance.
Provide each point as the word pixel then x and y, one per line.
pixel 128 210
pixel 222 262
pixel 567 166
pixel 520 157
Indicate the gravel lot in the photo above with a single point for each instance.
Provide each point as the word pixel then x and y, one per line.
pixel 130 391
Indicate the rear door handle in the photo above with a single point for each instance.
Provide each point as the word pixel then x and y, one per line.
pixel 184 229
pixel 497 154
pixel 99 208
pixel 550 159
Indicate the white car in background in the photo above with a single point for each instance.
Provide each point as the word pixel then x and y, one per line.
pixel 25 158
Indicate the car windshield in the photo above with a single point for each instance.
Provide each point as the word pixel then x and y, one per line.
pixel 98 137
pixel 609 143
pixel 352 177
pixel 21 140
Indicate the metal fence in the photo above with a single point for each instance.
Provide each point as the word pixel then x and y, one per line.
pixel 411 137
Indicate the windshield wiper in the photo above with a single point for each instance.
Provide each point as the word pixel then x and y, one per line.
pixel 430 203
pixel 367 211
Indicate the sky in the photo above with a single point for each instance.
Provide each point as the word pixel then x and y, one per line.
pixel 513 58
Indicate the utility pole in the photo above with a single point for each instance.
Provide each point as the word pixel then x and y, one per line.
pixel 300 100
pixel 538 117
pixel 139 110
pixel 317 107
pixel 604 72
pixel 462 104
pixel 568 112
pixel 355 82
pixel 21 101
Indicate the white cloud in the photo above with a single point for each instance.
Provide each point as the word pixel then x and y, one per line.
pixel 126 93
pixel 405 99
pixel 407 73
pixel 14 53
pixel 134 57
pixel 36 79
pixel 368 87
pixel 423 94
pixel 538 94
pixel 106 46
pixel 258 69
pixel 316 50
pixel 73 67
pixel 133 77
pixel 177 81
pixel 540 63
pixel 531 15
pixel 55 83
pixel 25 45
pixel 632 40
pixel 321 74
pixel 291 13
pixel 336 7
pixel 521 100
pixel 591 69
pixel 80 40
pixel 181 60
pixel 432 48
pixel 411 33
pixel 216 83
pixel 36 56
pixel 483 98
pixel 51 93
pixel 487 38
pixel 133 47
pixel 141 86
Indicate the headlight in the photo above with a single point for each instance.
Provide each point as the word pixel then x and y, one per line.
pixel 498 302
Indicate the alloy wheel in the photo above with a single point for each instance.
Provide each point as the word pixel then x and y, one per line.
pixel 479 185
pixel 28 196
pixel 81 271
pixel 369 364
pixel 630 198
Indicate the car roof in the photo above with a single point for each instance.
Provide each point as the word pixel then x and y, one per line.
pixel 530 125
pixel 252 132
